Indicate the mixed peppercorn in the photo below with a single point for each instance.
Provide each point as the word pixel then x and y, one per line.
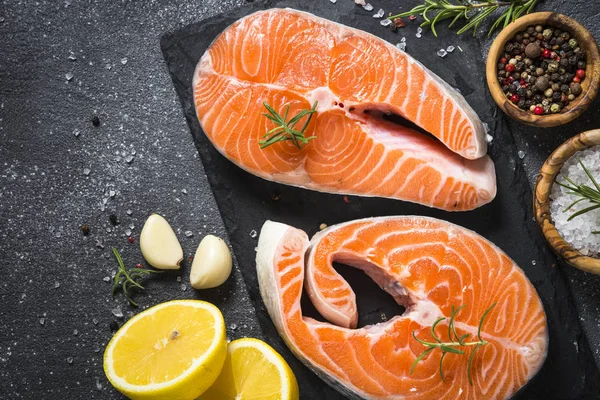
pixel 541 69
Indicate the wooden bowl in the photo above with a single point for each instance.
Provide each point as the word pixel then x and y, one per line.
pixel 589 84
pixel 541 208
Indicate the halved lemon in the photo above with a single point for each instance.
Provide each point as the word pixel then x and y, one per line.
pixel 174 350
pixel 253 370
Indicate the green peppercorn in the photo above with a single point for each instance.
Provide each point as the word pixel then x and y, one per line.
pixel 553 67
pixel 548 92
pixel 555 87
pixel 545 103
pixel 547 33
pixel 540 71
pixel 539 28
pixel 571 97
pixel 554 108
pixel 573 43
pixel 533 106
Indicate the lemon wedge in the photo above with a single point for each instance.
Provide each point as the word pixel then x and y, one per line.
pixel 253 370
pixel 174 351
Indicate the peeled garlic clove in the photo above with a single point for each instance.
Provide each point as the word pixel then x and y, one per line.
pixel 159 244
pixel 212 263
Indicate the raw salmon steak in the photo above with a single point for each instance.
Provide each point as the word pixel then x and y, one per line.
pixel 428 266
pixel 284 58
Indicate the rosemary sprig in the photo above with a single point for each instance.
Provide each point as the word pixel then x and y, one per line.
pixel 286 130
pixel 585 192
pixel 128 279
pixel 453 346
pixel 473 12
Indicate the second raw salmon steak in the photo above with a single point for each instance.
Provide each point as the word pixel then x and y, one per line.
pixel 286 58
pixel 431 267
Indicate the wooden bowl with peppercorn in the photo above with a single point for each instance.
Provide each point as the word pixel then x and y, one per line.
pixel 544 69
pixel 542 197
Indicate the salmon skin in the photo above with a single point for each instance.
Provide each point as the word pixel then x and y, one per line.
pixel 428 265
pixel 289 58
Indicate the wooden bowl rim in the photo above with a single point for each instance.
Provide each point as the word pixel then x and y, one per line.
pixel 543 187
pixel 589 85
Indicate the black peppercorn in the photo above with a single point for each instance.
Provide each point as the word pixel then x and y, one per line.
pixel 554 77
pixel 521 104
pixel 573 60
pixel 518 37
pixel 114 326
pixel 531 30
pixel 113 219
pixel 560 41
pixel 564 62
pixel 528 103
pixel 501 66
pixel 537 98
pixel 529 93
pixel 85 229
pixel 564 88
pixel 562 79
pixel 552 41
pixel 505 88
pixel 580 64
pixel 520 66
pixel 569 76
pixel 556 96
pixel 95 120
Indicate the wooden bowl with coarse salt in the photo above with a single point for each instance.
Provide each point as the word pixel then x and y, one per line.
pixel 541 200
pixel 589 85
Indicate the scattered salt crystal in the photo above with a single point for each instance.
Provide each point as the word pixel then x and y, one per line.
pixel 533 262
pixel 178 279
pixel 419 32
pixel 106 279
pixel 450 49
pixel 124 60
pixel 98 384
pixel 117 312
pixel 129 212
pixel 95 321
pixel 401 46
pixel 253 234
pixel 521 154
pixel 442 53
pixel 112 193
pixel 184 191
pixel 189 233
pixel 99 244
pixel 75 332
pixel 86 171
pixel 56 285
pixel 42 321
pixel 128 232
pixel 489 138
pixel 96 349
pixel 131 226
pixel 368 7
pixel 76 132
pixel 360 2
pixel 70 360
pixel 72 56
pixel 403 40
pixel 333 1
pixel 383 317
pixel 486 127
pixel 233 326
pixel 129 158
pixel 183 287
pixel 108 66
pixel 379 13
pixel 69 76
pixel 385 22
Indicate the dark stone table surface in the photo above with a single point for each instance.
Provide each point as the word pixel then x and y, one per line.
pixel 64 62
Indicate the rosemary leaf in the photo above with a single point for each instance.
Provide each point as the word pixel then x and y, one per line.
pixel 284 130
pixel 473 13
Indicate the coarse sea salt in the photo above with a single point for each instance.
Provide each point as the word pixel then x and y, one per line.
pixel 578 231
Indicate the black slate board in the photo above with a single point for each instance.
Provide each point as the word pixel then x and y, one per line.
pixel 246 201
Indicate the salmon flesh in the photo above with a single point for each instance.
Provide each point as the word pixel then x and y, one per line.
pixel 427 265
pixel 284 58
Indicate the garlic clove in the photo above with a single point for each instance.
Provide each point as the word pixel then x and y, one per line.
pixel 212 263
pixel 159 244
